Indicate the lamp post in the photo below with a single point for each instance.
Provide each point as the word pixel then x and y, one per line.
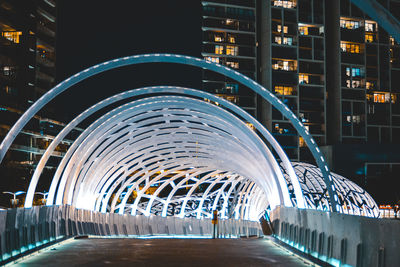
pixel 44 194
pixel 14 201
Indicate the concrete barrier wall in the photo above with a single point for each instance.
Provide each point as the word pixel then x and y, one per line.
pixel 339 239
pixel 22 230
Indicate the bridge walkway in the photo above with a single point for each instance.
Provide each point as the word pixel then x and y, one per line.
pixel 166 252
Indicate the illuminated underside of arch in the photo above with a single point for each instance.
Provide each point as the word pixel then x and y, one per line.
pixel 196 62
pixel 173 153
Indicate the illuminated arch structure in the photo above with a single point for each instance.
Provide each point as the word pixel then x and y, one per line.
pixel 184 152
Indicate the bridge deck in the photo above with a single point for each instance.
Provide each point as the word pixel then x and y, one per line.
pixel 165 252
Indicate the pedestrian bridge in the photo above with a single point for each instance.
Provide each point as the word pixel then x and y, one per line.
pixel 161 159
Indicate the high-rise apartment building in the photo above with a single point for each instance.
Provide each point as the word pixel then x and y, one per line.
pixel 331 64
pixel 27 71
pixel 229 38
pixel 292 65
pixel 363 115
pixel 338 71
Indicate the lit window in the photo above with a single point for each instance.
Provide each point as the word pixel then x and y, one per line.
pixel 230 22
pixel 303 79
pixel 285 3
pixel 369 38
pixel 369 85
pixel 392 41
pixel 8 71
pixel 354 72
pixel 232 50
pixel 219 49
pixel 233 65
pixel 394 98
pixel 349 24
pixel 302 143
pixel 303 30
pixel 233 88
pixel 212 59
pixel 287 40
pixel 278 39
pixel 280 130
pixel 370 26
pixel 279 28
pixel 357 72
pixel 356 119
pixel 287 65
pixel 217 38
pixel 356 84
pixel 303 117
pixel 230 98
pixel 381 97
pixel 232 39
pixel 348 71
pixel 350 47
pixel 12 36
pixel 284 90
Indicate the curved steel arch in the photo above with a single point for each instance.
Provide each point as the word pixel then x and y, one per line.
pixel 352 198
pixel 146 91
pixel 186 60
pixel 381 15
pixel 183 102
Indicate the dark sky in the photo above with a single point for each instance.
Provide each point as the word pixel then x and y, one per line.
pixel 90 32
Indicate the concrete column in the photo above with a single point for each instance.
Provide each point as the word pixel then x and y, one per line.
pixel 264 62
pixel 333 72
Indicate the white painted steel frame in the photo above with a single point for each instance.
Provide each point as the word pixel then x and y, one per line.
pixel 128 94
pixel 218 152
pixel 179 59
pixel 352 198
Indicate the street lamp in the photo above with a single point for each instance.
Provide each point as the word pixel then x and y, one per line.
pixel 44 194
pixel 14 201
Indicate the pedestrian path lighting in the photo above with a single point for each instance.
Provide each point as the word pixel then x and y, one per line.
pixel 14 201
pixel 44 194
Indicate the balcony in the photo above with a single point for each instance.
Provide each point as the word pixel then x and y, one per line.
pixel 229 25
pixel 228 12
pixel 353 35
pixel 352 58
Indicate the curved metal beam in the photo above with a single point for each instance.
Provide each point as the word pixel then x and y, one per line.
pixel 169 58
pixel 381 15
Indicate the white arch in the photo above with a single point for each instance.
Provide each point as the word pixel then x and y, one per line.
pixel 183 102
pixel 169 58
pixel 136 92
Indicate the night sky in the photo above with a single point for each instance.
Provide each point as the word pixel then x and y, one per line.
pixel 90 32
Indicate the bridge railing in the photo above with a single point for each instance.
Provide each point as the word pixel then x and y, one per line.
pixel 339 239
pixel 24 230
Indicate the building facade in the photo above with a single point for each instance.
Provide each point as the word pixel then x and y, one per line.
pixel 331 64
pixel 27 71
pixel 337 69
pixel 229 38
